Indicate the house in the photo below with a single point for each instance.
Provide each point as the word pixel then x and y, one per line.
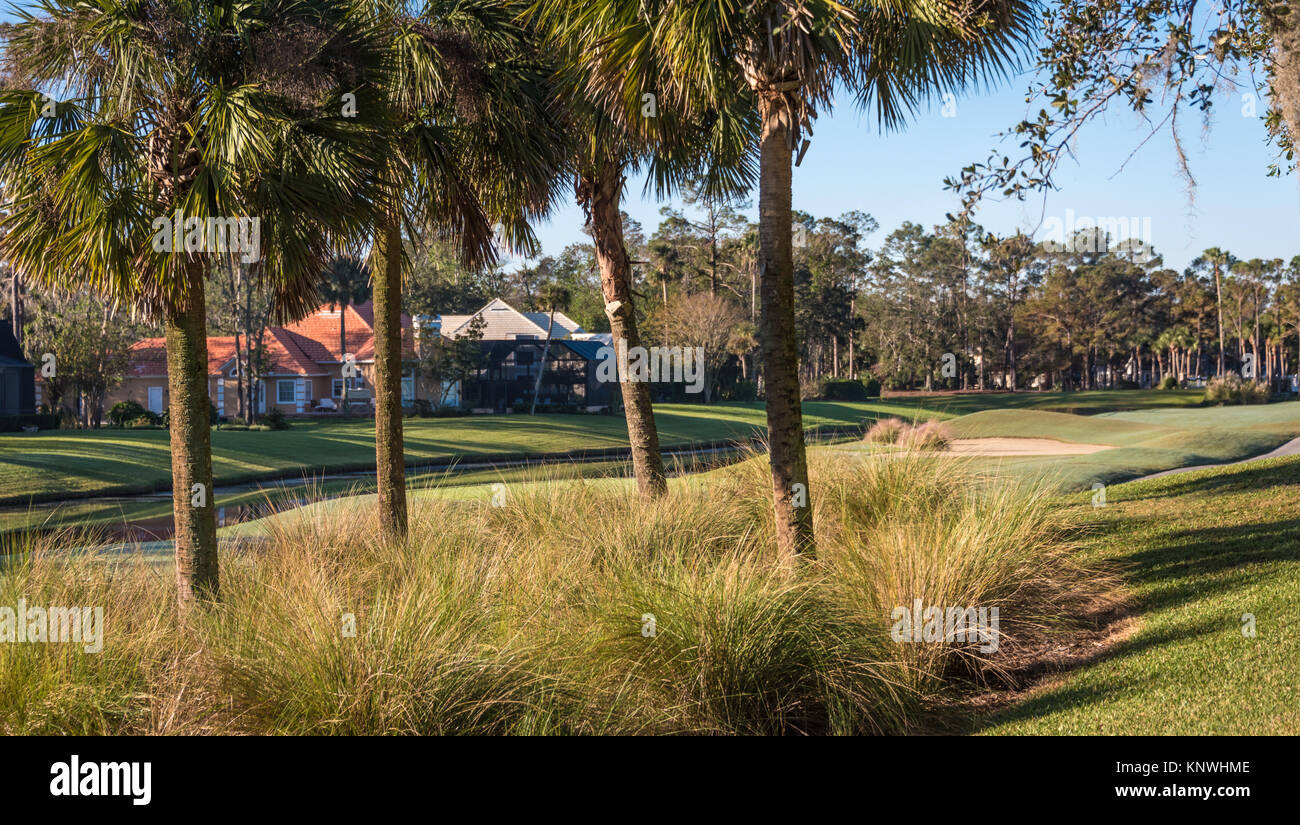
pixel 305 366
pixel 303 372
pixel 17 376
pixel 513 343
pixel 503 322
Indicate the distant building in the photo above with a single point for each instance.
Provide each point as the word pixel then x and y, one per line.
pixel 503 322
pixel 513 343
pixel 306 366
pixel 17 376
pixel 304 372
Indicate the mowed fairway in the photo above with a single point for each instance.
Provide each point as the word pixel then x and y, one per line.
pixel 1202 553
pixel 1142 442
pixel 66 464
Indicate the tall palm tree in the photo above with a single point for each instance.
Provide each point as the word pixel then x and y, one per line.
pixel 191 111
pixel 1219 261
pixel 786 58
pixel 346 282
pixel 706 145
pixel 554 297
pixel 473 142
pixel 665 261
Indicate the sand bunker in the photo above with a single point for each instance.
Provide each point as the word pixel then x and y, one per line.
pixel 1020 447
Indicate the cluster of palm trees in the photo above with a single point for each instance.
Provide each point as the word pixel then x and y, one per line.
pixel 341 124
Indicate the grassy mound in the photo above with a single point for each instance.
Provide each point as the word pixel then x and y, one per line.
pixel 569 608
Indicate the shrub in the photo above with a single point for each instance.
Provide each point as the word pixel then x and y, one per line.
pixel 886 431
pixel 1231 389
pixel 744 390
pixel 129 411
pixel 930 435
pixel 41 420
pixel 274 419
pixel 1169 383
pixel 833 390
pixel 143 422
pixel 873 387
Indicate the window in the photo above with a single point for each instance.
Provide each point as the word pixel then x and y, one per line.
pixel 408 390
pixel 356 382
pixel 286 392
pixel 336 388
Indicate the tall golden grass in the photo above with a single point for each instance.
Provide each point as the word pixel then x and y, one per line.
pixel 575 608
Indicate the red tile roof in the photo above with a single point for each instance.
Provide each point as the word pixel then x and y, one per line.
pixel 317 335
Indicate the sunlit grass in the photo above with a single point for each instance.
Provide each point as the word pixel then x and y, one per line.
pixel 534 616
pixel 1203 552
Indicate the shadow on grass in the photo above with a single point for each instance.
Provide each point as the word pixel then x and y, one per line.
pixel 1173 566
pixel 1081 694
pixel 1222 480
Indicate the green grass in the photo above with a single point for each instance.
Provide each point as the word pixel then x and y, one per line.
pixel 1144 442
pixel 60 465
pixel 1091 402
pixel 92 513
pixel 65 464
pixel 526 618
pixel 1200 550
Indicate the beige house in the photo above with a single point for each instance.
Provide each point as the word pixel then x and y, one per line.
pixel 503 322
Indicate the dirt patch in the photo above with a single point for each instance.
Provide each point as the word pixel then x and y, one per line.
pixel 1045 664
pixel 1011 447
pixel 1036 667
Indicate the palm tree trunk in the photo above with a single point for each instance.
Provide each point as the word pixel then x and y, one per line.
pixel 389 450
pixel 191 446
pixel 605 189
pixel 791 498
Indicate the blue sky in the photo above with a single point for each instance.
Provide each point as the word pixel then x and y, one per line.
pixel 899 176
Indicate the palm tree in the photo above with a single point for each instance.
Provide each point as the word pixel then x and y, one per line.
pixel 665 260
pixel 179 110
pixel 473 142
pixel 554 296
pixel 346 282
pixel 785 58
pixel 1219 261
pixel 706 146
